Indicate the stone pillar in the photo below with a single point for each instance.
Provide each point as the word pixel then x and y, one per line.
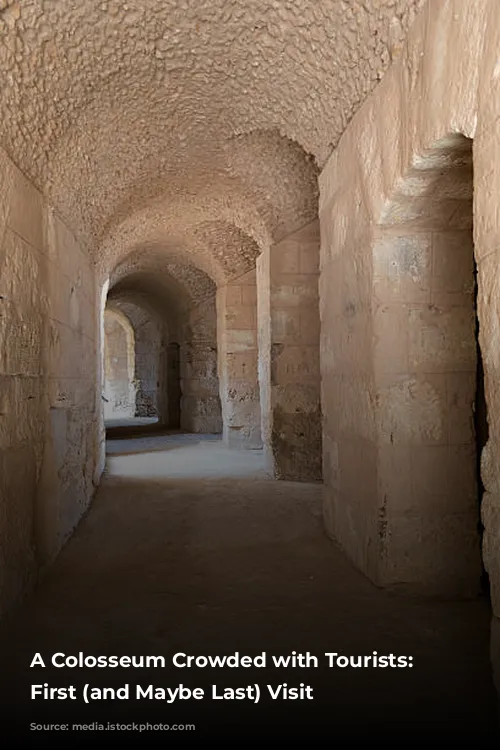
pixel 148 341
pixel 200 402
pixel 289 329
pixel 238 356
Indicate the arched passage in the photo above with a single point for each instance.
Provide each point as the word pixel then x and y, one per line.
pixel 119 366
pixel 171 306
pixel 150 333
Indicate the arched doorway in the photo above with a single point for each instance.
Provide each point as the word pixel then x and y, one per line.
pixel 119 367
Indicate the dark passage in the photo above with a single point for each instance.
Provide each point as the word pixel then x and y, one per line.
pixel 480 425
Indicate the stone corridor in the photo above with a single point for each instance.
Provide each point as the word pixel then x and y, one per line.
pixel 190 547
pixel 249 345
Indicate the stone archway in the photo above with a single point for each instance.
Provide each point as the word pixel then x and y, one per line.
pixel 119 367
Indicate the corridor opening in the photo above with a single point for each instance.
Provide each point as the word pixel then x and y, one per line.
pixel 173 320
pixel 119 368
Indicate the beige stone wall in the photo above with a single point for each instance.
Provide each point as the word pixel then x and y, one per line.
pixel 48 330
pixel 149 373
pixel 200 402
pixel 289 330
pixel 392 516
pixel 238 362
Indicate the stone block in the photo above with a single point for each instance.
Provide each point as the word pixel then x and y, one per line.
pixel 23 275
pixel 309 259
pixel 286 324
pixel 249 296
pixel 240 340
pixel 243 318
pixel 297 291
pixel 296 364
pixel 296 446
pixel 437 555
pixel 285 258
pixel 412 410
pixel 402 267
pixel 441 339
pixel 242 366
pixel 26 216
pixel 390 338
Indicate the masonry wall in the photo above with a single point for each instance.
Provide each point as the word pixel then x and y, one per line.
pixel 238 362
pixel 149 342
pixel 200 400
pixel 443 86
pixel 48 330
pixel 289 330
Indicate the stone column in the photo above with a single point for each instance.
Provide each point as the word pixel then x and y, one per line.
pixel 200 402
pixel 238 356
pixel 289 329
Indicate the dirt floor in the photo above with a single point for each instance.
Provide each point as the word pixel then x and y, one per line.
pixel 190 547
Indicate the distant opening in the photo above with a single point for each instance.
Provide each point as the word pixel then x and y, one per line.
pixel 119 368
pixel 168 379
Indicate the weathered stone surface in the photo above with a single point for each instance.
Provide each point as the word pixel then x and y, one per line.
pixel 48 438
pixel 178 152
pixel 121 105
pixel 398 202
pixel 289 351
pixel 238 362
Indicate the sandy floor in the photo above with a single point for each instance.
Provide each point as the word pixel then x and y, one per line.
pixel 189 547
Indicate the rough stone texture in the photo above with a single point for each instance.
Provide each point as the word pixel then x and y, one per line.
pixel 119 366
pixel 238 362
pixel 110 105
pixel 176 143
pixel 289 346
pixel 396 306
pixel 200 402
pixel 424 353
pixel 166 127
pixel 181 283
pixel 48 327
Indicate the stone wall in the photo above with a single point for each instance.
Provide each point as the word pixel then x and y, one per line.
pixel 200 401
pixel 238 362
pixel 289 330
pixel 149 344
pixel 424 355
pixel 397 345
pixel 48 434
